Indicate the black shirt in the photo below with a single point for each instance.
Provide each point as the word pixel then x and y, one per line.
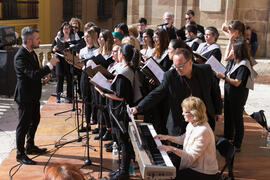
pixel 237 94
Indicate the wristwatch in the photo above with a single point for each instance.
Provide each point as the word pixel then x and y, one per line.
pixel 225 75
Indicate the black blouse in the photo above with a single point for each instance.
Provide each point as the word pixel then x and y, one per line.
pixel 123 89
pixel 237 94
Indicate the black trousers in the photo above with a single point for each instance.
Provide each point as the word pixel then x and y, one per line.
pixel 123 137
pixel 233 122
pixel 62 70
pixel 127 150
pixel 86 95
pixel 29 118
pixel 191 174
pixel 212 123
pixel 60 84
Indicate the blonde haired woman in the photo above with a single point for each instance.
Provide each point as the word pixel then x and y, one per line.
pixel 198 156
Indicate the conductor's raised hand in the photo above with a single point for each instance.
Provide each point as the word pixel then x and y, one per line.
pixel 54 60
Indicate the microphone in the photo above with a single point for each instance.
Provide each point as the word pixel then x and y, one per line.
pixel 165 24
pixel 58 54
pixel 86 59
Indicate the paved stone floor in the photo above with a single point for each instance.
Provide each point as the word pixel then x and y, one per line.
pixel 9 119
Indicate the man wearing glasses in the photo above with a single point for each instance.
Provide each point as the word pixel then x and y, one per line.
pixel 184 80
pixel 190 19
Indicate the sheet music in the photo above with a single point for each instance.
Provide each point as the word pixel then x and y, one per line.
pixel 100 80
pixel 157 71
pixel 91 64
pixel 216 65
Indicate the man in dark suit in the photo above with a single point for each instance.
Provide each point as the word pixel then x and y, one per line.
pixel 184 80
pixel 28 93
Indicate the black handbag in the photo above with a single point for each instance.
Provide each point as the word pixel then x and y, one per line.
pixel 260 118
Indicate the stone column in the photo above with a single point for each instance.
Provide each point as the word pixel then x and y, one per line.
pixel 132 11
pixel 178 14
pixel 230 10
pixel 267 46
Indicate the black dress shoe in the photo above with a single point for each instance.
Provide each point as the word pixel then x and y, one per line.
pixel 23 159
pixel 95 131
pixel 97 137
pixel 120 176
pixel 83 129
pixel 35 150
pixel 108 144
pixel 109 149
pixel 107 136
pixel 112 173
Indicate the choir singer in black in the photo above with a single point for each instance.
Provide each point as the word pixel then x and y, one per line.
pixel 28 93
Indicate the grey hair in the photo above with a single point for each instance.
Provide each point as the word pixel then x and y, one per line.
pixel 27 33
pixel 168 14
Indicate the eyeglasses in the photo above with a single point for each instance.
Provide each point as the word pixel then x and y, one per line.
pixel 180 66
pixel 187 18
pixel 186 112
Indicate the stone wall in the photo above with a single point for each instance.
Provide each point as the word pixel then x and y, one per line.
pixel 255 14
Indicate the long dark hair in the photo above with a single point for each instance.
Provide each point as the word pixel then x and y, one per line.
pixel 131 55
pixel 240 50
pixel 108 38
pixel 163 42
pixel 62 27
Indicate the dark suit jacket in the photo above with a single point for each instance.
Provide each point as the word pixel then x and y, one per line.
pixel 29 74
pixel 171 89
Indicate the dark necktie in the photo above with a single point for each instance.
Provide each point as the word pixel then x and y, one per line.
pixel 35 58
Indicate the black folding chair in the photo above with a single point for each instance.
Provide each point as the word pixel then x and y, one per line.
pixel 227 150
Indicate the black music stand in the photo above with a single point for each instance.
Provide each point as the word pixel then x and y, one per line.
pixel 75 106
pixel 88 161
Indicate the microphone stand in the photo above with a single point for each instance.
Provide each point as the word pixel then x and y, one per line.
pixel 122 129
pixel 87 161
pixel 102 109
pixel 74 105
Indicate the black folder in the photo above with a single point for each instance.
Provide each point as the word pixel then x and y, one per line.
pixel 92 71
pixel 149 74
pixel 201 59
